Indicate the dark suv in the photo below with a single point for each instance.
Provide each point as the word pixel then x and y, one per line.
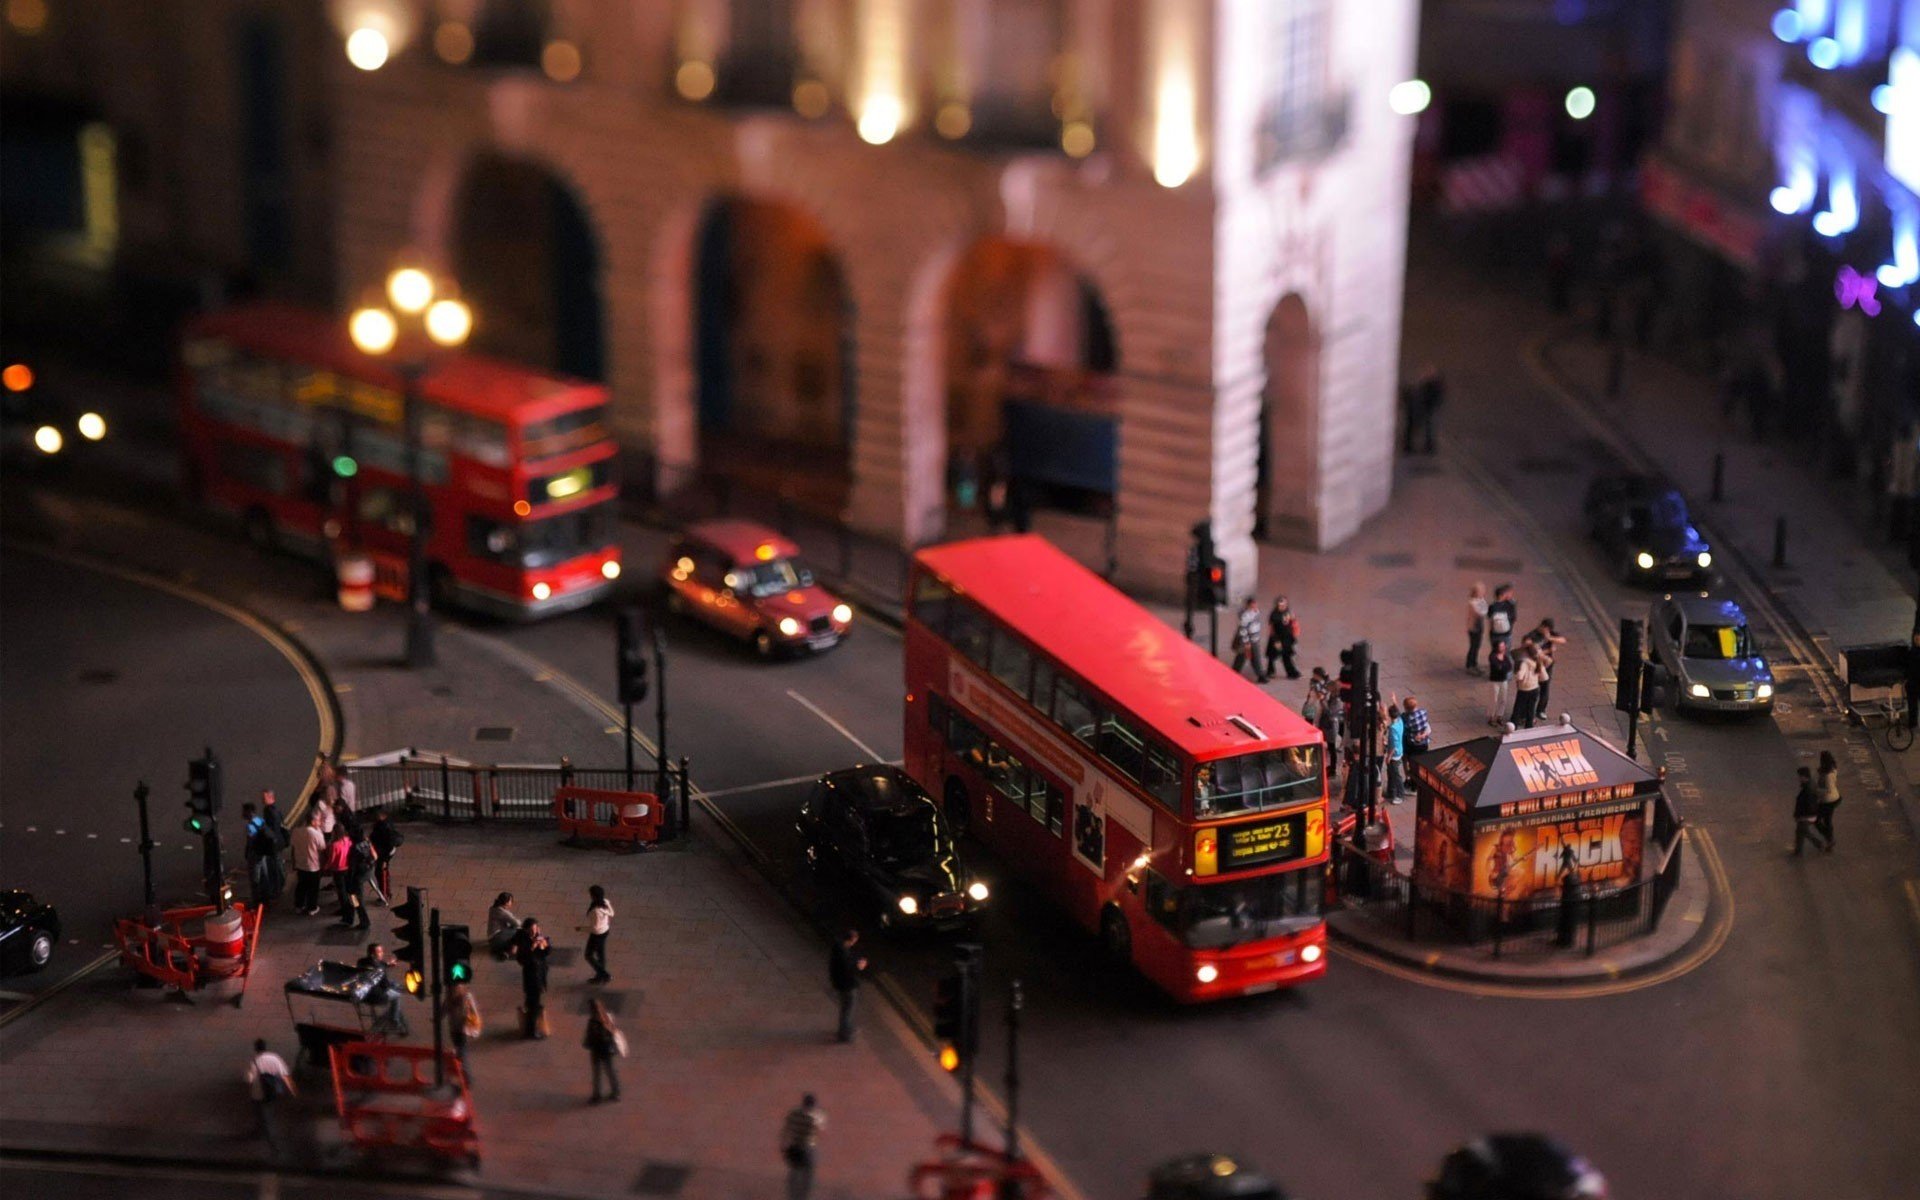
pixel 887 835
pixel 29 930
pixel 1645 531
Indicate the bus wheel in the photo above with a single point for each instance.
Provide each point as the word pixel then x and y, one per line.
pixel 959 816
pixel 1115 938
pixel 259 527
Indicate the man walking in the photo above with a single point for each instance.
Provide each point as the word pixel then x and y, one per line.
pixel 844 966
pixel 309 852
pixel 1424 398
pixel 1502 615
pixel 799 1138
pixel 1246 640
pixel 268 1082
pixel 1283 637
pixel 1806 814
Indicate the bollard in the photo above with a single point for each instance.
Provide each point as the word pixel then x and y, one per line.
pixel 1719 477
pixel 1779 541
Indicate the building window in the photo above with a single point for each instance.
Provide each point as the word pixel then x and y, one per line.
pixel 1302 117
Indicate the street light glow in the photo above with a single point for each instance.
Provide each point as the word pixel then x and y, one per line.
pixel 373 330
pixel 368 48
pixel 449 322
pixel 92 426
pixel 47 440
pixel 880 119
pixel 1409 97
pixel 1580 103
pixel 410 289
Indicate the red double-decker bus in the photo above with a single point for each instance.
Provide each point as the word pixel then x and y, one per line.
pixel 286 424
pixel 1167 803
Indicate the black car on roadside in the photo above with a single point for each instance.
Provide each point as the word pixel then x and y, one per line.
pixel 888 837
pixel 1645 531
pixel 29 930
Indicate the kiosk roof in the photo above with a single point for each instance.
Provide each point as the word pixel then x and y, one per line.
pixel 1526 764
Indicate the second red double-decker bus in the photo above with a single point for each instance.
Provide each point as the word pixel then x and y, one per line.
pixel 289 426
pixel 1167 803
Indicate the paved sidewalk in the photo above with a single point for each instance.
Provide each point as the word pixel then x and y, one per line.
pixel 721 989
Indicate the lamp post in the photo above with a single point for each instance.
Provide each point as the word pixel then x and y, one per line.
pixel 375 330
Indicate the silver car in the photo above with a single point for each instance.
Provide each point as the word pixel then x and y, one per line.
pixel 1705 642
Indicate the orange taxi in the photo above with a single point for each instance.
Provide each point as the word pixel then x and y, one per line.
pixel 746 580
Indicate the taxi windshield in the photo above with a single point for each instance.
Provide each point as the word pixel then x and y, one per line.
pixel 1718 641
pixel 775 576
pixel 903 838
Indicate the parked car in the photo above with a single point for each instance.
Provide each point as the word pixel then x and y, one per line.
pixel 1645 531
pixel 884 833
pixel 1705 642
pixel 747 580
pixel 29 930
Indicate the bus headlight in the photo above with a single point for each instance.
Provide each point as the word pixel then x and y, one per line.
pixel 92 426
pixel 789 627
pixel 1699 691
pixel 842 613
pixel 1643 560
pixel 1705 559
pixel 541 591
pixel 1310 954
pixel 610 569
pixel 977 890
pixel 909 905
pixel 47 440
pixel 1207 973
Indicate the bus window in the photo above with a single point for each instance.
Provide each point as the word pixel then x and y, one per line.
pixel 1011 662
pixel 1073 711
pixel 1056 802
pixel 1042 693
pixel 1120 745
pixel 932 600
pixel 1162 777
pixel 968 630
pixel 937 716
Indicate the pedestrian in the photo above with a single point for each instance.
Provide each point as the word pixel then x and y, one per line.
pixel 1526 687
pixel 604 1043
pixel 270 817
pixel 309 855
pixel 265 875
pixel 1283 637
pixel 339 857
pixel 1424 397
pixel 844 966
pixel 1396 754
pixel 337 789
pixel 1546 641
pixel 1476 624
pixel 1419 731
pixel 1324 708
pixel 269 1082
pixel 1500 672
pixel 599 924
pixel 385 989
pixel 386 840
pixel 531 948
pixel 1502 615
pixel 502 925
pixel 463 1020
pixel 1246 640
pixel 799 1141
pixel 355 874
pixel 1827 783
pixel 1806 813
pixel 328 822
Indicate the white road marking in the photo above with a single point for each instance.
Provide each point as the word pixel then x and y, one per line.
pixel 817 711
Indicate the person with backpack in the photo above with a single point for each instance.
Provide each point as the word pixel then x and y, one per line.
pixel 1283 637
pixel 604 1043
pixel 386 840
pixel 269 1081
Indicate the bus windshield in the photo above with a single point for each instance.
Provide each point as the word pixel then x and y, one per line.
pixel 546 540
pixel 1253 782
pixel 1214 916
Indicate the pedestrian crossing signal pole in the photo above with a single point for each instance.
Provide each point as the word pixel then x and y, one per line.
pixel 147 843
pixel 956 1025
pixel 433 984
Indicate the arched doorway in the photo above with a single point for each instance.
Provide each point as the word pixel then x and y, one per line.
pixel 1032 414
pixel 527 259
pixel 773 354
pixel 1287 483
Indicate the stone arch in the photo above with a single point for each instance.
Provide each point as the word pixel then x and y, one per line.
pixel 1287 488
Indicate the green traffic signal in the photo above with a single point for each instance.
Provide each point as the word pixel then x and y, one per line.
pixel 198 824
pixel 460 972
pixel 345 467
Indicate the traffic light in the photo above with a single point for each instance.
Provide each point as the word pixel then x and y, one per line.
pixel 456 954
pixel 1656 687
pixel 631 663
pixel 1626 688
pixel 203 794
pixel 956 1010
pixel 410 938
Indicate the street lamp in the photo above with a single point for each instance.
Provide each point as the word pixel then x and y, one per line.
pixel 376 331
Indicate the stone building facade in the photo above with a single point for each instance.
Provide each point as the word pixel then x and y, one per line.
pixel 1197 208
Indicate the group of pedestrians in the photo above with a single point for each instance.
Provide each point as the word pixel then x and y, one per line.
pixel 1815 803
pixel 1281 630
pixel 1521 676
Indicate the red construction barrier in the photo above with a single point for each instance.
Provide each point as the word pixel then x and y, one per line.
pixel 971 1172
pixel 159 945
pixel 386 1097
pixel 595 814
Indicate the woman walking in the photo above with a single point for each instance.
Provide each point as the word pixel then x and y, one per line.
pixel 1476 625
pixel 1500 672
pixel 1826 782
pixel 599 924
pixel 1526 687
pixel 604 1043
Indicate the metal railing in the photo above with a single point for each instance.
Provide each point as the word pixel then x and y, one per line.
pixel 1596 918
pixel 453 789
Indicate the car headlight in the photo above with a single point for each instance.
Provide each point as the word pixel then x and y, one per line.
pixel 1207 973
pixel 1764 691
pixel 47 440
pixel 843 613
pixel 1643 560
pixel 909 905
pixel 610 569
pixel 1310 954
pixel 92 426
pixel 1698 691
pixel 789 626
pixel 541 591
pixel 977 890
pixel 1705 559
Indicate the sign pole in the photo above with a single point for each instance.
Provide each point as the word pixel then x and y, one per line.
pixel 146 840
pixel 433 991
